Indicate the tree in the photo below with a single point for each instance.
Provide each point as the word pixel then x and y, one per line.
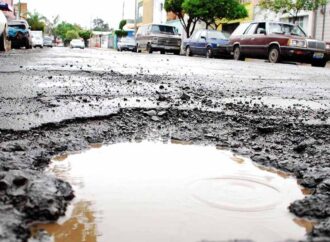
pixel 177 7
pixel 63 28
pixel 121 32
pixel 100 25
pixel 36 21
pixel 214 12
pixel 70 35
pixel 292 7
pixel 85 35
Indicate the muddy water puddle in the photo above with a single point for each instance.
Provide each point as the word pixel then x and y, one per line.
pixel 173 193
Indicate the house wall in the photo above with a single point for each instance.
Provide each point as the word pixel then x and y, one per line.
pixel 319 23
pixel 9 15
pixel 159 13
pixel 148 8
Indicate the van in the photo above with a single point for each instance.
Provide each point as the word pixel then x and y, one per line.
pixel 158 37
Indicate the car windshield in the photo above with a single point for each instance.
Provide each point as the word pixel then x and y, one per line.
pixel 216 35
pixel 127 40
pixel 17 26
pixel 286 29
pixel 240 29
pixel 163 29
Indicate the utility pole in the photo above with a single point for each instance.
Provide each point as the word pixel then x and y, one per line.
pixel 19 9
pixel 324 17
pixel 123 14
pixel 136 16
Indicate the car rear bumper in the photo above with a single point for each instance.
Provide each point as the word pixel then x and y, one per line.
pixel 127 47
pixel 304 55
pixel 156 47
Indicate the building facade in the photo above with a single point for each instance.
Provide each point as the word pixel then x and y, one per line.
pixel 322 23
pixel 22 10
pixel 151 11
pixel 9 15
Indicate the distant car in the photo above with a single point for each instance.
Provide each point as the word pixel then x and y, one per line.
pixel 158 37
pixel 19 34
pixel 126 43
pixel 77 43
pixel 48 42
pixel 3 32
pixel 37 39
pixel 209 43
pixel 277 42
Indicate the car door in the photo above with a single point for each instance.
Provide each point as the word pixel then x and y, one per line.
pixel 194 42
pixel 202 43
pixel 260 41
pixel 247 40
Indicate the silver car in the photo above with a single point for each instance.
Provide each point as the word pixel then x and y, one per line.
pixel 126 43
pixel 77 43
pixel 158 37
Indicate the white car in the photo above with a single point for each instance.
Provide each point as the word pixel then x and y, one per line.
pixel 37 39
pixel 77 43
pixel 3 32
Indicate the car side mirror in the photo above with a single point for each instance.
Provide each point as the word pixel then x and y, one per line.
pixel 203 37
pixel 262 31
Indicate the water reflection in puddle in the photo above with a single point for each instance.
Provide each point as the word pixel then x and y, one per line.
pixel 174 193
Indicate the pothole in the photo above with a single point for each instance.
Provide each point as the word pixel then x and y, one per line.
pixel 173 193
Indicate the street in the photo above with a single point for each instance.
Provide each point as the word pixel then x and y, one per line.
pixel 61 100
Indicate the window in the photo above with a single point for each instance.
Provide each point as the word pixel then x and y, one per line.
pixel 196 35
pixel 216 35
pixel 252 29
pixel 203 34
pixel 163 29
pixel 240 29
pixel 286 29
pixel 261 27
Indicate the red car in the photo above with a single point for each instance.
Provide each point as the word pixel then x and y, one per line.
pixel 277 42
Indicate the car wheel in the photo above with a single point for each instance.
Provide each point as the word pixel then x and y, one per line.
pixel 274 55
pixel 237 54
pixel 188 51
pixel 162 52
pixel 149 49
pixel 209 52
pixel 27 44
pixel 177 52
pixel 4 43
pixel 321 63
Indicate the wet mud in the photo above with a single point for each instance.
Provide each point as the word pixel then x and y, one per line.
pixel 184 107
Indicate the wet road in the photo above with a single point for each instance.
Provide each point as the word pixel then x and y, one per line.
pixel 51 85
pixel 58 101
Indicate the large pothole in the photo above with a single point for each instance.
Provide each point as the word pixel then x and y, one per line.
pixel 174 193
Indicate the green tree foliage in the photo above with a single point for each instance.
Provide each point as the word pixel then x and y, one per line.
pixel 121 32
pixel 209 11
pixel 70 35
pixel 176 7
pixel 36 21
pixel 100 25
pixel 212 12
pixel 292 7
pixel 85 35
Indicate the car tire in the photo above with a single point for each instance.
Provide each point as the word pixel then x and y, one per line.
pixel 177 52
pixel 4 43
pixel 188 51
pixel 162 52
pixel 321 63
pixel 209 53
pixel 274 55
pixel 238 55
pixel 149 49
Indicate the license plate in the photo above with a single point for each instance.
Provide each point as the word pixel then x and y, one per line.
pixel 318 55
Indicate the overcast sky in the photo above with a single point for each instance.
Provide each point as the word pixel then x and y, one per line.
pixel 82 12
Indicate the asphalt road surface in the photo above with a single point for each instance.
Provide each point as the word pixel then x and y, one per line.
pixel 61 100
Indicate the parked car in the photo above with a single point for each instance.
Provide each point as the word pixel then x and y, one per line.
pixel 77 43
pixel 19 34
pixel 3 32
pixel 158 37
pixel 277 41
pixel 209 43
pixel 37 39
pixel 48 42
pixel 126 43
